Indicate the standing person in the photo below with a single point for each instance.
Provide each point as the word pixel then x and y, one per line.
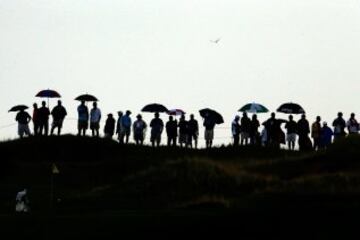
pixel 209 124
pixel 183 131
pixel 316 133
pixel 291 128
pixel 119 127
pixel 245 129
pixel 83 118
pixel 193 131
pixel 139 129
pixel 43 115
pixel 157 126
pixel 125 127
pixel 339 127
pixel 352 125
pixel 303 129
pixel 109 128
pixel 35 119
pixel 254 130
pixel 58 113
pixel 326 136
pixel 23 119
pixel 171 131
pixel 235 130
pixel 271 133
pixel 95 117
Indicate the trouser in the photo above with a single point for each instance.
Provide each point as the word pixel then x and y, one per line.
pixel 171 141
pixel 236 140
pixel 44 127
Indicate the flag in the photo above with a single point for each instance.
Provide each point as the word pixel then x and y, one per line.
pixel 54 169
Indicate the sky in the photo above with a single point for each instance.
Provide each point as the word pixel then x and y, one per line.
pixel 132 52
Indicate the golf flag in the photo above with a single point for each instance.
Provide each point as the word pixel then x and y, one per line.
pixel 54 169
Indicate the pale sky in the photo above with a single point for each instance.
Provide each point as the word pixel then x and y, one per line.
pixel 129 53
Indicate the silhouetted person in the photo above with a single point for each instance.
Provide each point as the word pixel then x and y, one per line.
pixel 119 127
pixel 235 130
pixel 254 132
pixel 326 136
pixel 183 131
pixel 43 115
pixel 139 129
pixel 171 131
pixel 273 131
pixel 23 119
pixel 245 129
pixel 35 119
pixel 109 128
pixel 291 127
pixel 125 127
pixel 58 113
pixel 193 131
pixel 303 129
pixel 316 133
pixel 157 126
pixel 95 117
pixel 209 124
pixel 352 125
pixel 83 118
pixel 339 127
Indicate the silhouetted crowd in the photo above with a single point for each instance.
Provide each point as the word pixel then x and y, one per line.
pixel 185 133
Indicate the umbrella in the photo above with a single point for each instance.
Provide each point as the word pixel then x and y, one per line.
pixel 291 108
pixel 154 107
pixel 48 93
pixel 86 98
pixel 176 112
pixel 18 108
pixel 207 112
pixel 254 108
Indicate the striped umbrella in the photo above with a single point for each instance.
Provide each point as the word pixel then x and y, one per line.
pixel 254 108
pixel 176 112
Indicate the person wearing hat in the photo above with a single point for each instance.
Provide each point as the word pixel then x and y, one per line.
pixel 109 128
pixel 139 129
pixel 125 127
pixel 326 136
pixel 235 130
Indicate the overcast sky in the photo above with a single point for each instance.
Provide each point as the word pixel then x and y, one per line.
pixel 132 52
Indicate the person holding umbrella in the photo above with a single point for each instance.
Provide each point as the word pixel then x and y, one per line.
pixel 291 127
pixel 23 118
pixel 43 116
pixel 83 118
pixel 245 129
pixel 209 124
pixel 157 126
pixel 58 113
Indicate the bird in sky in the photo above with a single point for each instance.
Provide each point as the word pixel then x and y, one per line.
pixel 215 41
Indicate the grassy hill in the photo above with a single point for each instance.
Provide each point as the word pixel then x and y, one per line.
pixel 99 177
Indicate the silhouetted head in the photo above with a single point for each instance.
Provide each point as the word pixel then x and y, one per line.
pixel 237 118
pixel 318 118
pixel 128 112
pixel 35 105
pixel 59 102
pixel 182 117
pixel 272 115
pixel 324 124
pixel 191 116
pixel 82 102
pixel 43 103
pixel 303 116
pixel 244 114
pixel 120 113
pixel 110 115
pixel 157 115
pixel 352 115
pixel 291 117
pixel 254 117
pixel 340 114
pixel 171 118
pixel 94 104
pixel 138 116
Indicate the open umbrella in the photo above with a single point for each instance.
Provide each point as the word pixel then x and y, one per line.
pixel 207 112
pixel 154 107
pixel 291 108
pixel 254 108
pixel 18 108
pixel 86 98
pixel 48 93
pixel 176 112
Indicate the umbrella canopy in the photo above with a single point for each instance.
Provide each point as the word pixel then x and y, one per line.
pixel 154 107
pixel 48 94
pixel 176 112
pixel 254 108
pixel 291 108
pixel 86 98
pixel 207 112
pixel 18 108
